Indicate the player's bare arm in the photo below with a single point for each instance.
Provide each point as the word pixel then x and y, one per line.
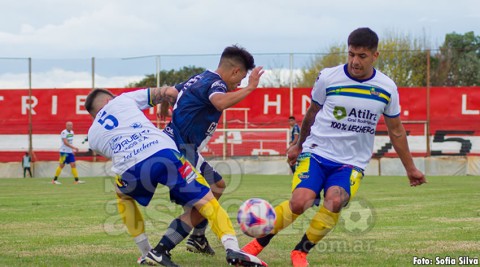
pixel 307 123
pixel 65 142
pixel 164 93
pixel 398 137
pixel 224 101
pixel 295 140
pixel 164 109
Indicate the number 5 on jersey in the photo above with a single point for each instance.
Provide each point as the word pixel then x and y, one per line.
pixel 108 121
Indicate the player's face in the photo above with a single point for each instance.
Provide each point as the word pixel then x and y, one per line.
pixel 360 62
pixel 238 74
pixel 69 126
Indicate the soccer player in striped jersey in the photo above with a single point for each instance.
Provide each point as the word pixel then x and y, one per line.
pixel 144 156
pixel 336 143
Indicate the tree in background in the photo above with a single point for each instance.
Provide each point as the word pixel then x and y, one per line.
pixel 400 58
pixel 170 77
pixel 458 61
pixel 336 56
pixel 403 59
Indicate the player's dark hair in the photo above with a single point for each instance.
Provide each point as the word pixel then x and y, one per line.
pixel 92 95
pixel 363 37
pixel 239 55
pixel 291 118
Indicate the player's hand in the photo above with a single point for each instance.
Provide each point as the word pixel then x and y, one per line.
pixel 292 154
pixel 163 110
pixel 254 77
pixel 75 149
pixel 416 178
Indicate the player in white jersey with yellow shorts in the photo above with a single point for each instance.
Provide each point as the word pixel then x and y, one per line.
pixel 336 143
pixel 144 156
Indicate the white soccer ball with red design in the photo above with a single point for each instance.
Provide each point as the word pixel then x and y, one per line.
pixel 256 217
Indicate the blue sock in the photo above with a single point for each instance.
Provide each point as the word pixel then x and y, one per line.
pixel 199 230
pixel 176 232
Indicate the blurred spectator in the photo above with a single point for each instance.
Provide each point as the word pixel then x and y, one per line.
pixel 26 160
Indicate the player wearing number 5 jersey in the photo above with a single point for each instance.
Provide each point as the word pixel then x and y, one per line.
pixel 336 142
pixel 143 157
pixel 199 105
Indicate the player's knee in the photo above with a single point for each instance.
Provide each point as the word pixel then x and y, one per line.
pixel 218 188
pixel 335 203
pixel 221 185
pixel 300 205
pixel 336 198
pixel 301 200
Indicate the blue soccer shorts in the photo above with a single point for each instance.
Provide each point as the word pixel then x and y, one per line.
pixel 66 158
pixel 317 173
pixel 192 154
pixel 207 171
pixel 166 167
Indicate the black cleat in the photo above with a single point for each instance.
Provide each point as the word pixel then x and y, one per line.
pixel 239 258
pixel 199 244
pixel 159 257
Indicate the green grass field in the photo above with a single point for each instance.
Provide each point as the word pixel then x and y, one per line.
pixel 77 225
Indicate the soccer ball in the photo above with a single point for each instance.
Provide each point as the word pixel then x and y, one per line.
pixel 256 217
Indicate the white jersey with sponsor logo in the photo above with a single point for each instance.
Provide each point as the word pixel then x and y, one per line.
pixel 121 132
pixel 69 136
pixel 344 129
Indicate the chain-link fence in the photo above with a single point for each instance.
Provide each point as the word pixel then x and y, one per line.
pixel 408 68
pixel 411 69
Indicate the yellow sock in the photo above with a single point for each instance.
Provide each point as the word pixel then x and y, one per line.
pixel 322 222
pixel 285 216
pixel 217 218
pixel 131 215
pixel 75 172
pixel 58 171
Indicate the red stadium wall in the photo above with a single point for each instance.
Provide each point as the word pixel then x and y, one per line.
pixel 451 108
pixel 454 111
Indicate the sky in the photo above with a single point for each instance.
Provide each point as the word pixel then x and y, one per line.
pixel 62 36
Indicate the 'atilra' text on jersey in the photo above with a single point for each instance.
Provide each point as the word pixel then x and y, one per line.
pixel 344 129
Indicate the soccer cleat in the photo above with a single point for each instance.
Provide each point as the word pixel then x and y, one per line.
pixel 142 260
pixel 199 244
pixel 159 257
pixel 55 182
pixel 299 258
pixel 79 182
pixel 254 248
pixel 239 258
